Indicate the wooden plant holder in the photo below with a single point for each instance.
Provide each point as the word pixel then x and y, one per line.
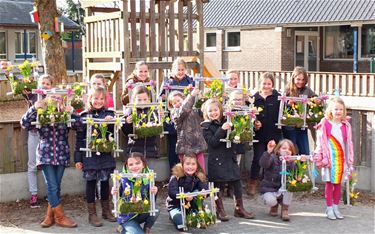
pixel 212 192
pixel 117 126
pixel 116 176
pixel 283 99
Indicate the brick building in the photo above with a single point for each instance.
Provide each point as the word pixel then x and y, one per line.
pixel 277 35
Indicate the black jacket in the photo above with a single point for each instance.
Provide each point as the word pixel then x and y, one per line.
pixel 268 117
pixel 222 161
pixel 95 162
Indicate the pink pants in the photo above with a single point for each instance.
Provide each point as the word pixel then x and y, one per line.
pixel 332 193
pixel 200 158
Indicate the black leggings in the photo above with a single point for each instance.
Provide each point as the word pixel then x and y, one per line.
pixel 236 188
pixel 91 187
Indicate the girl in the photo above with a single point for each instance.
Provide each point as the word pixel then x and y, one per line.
pixel 334 153
pixel 295 88
pixel 147 146
pixel 222 161
pixel 271 182
pixel 180 78
pixel 234 79
pixel 99 80
pixel 189 175
pixel 53 156
pixel 265 126
pixel 131 223
pixel 140 74
pixel 99 166
pixel 190 137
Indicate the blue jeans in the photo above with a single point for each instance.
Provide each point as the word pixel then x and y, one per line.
pixel 52 177
pixel 176 217
pixel 298 137
pixel 134 226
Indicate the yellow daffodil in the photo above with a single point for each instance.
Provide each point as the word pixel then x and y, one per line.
pixel 304 166
pixel 293 183
pixel 144 125
pixel 260 109
pixel 138 183
pixel 90 121
pixel 145 202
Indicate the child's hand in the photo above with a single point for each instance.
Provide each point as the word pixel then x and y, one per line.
pixel 108 118
pixel 129 119
pixel 79 166
pixel 304 158
pixel 270 146
pixel 154 189
pixel 26 92
pixel 257 124
pixel 195 92
pixel 39 104
pixel 114 191
pixel 189 198
pixel 226 126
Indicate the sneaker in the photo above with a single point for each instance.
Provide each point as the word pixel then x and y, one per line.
pixel 34 201
pixel 337 212
pixel 330 213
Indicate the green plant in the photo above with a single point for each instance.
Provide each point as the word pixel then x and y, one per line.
pixel 353 195
pixel 53 113
pixel 100 142
pixel 147 124
pixel 242 129
pixel 293 115
pixel 202 217
pixel 298 179
pixel 132 201
pixel 315 110
pixel 27 82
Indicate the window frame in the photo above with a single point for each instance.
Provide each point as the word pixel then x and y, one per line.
pixel 232 48
pixel 360 42
pixel 209 48
pixel 6 45
pixel 21 56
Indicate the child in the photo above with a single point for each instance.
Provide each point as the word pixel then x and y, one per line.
pixel 99 80
pixel 44 82
pixel 234 79
pixel 222 161
pixel 140 74
pixel 53 156
pixel 334 153
pixel 147 146
pixel 131 223
pixel 179 78
pixel 189 135
pixel 265 125
pixel 271 182
pixel 189 175
pixel 97 167
pixel 298 86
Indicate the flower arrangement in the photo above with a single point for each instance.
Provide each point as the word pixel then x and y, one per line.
pixel 298 179
pixel 147 124
pixel 54 112
pixel 215 90
pixel 293 115
pixel 99 142
pixel 242 126
pixel 27 82
pixel 353 195
pixel 315 109
pixel 202 217
pixel 132 201
pixel 78 91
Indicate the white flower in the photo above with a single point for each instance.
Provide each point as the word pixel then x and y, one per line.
pixel 149 124
pixel 97 153
pixel 237 138
pixel 304 180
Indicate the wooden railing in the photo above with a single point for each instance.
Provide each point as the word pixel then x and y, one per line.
pixel 349 84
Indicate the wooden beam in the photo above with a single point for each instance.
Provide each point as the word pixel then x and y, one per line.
pixel 142 33
pixel 104 66
pixel 107 16
pixel 171 30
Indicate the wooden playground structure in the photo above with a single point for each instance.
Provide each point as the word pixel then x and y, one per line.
pixel 156 31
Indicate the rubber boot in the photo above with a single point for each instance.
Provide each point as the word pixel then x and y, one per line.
pixel 49 219
pixel 93 218
pixel 220 212
pixel 106 211
pixel 284 212
pixel 61 219
pixel 239 210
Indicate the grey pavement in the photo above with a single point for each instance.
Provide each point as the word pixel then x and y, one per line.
pixel 307 216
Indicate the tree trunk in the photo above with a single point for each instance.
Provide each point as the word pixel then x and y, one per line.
pixel 53 53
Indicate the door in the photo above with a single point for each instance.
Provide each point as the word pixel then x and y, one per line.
pixel 306 50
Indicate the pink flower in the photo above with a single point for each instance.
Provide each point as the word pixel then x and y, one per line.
pixel 282 98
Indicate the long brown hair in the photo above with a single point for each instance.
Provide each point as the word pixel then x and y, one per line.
pixel 289 142
pixel 292 89
pixel 136 155
pixel 178 169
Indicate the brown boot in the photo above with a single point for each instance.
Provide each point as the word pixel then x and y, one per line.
pixel 93 218
pixel 48 220
pixel 106 211
pixel 252 187
pixel 61 219
pixel 220 212
pixel 147 230
pixel 273 210
pixel 284 213
pixel 239 210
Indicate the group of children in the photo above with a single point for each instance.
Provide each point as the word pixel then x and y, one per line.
pixel 192 132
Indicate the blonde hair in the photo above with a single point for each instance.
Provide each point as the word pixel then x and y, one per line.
pixel 208 103
pixel 331 104
pixel 97 90
pixel 99 76
pixel 172 95
pixel 234 93
pixel 234 72
pixel 290 144
pixel 176 62
pixel 45 77
pixel 264 76
pixel 292 89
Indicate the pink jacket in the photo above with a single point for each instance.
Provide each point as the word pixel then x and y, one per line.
pixel 321 154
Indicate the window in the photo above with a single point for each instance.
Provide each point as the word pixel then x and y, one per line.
pixel 210 41
pixel 3 44
pixel 368 41
pixel 31 45
pixel 233 40
pixel 338 42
